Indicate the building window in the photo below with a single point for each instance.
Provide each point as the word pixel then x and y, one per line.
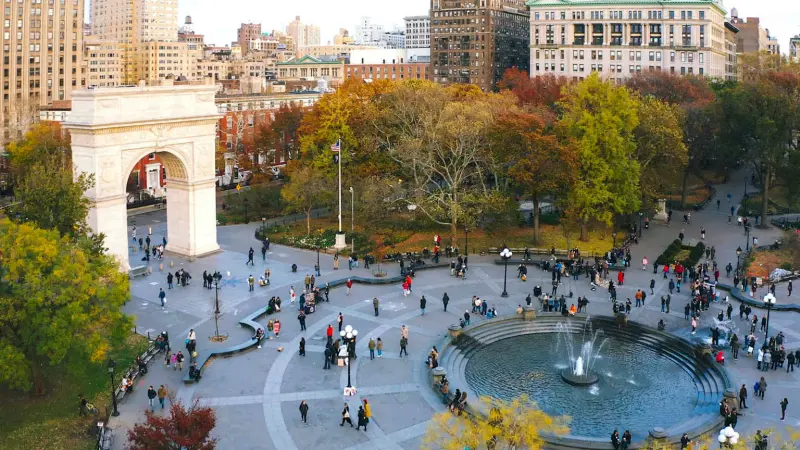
pixel 700 55
pixel 702 15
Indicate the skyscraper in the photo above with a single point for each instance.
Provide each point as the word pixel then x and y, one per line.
pixel 476 42
pixel 246 33
pixel 42 47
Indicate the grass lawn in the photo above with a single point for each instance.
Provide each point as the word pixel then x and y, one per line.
pixel 52 421
pixel 479 240
pixel 694 195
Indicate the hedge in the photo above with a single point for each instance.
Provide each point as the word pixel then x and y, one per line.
pixel 671 252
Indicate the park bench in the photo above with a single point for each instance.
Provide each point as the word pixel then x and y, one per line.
pixel 531 251
pixel 133 371
pixel 138 271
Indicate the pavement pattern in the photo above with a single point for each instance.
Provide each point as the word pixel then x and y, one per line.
pixel 256 394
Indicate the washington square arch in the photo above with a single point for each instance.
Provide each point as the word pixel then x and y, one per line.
pixel 112 129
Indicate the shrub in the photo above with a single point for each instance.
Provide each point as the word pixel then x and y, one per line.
pixel 786 266
pixel 669 253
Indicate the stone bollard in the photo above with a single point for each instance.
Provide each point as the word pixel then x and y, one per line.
pixel 161 267
pixel 528 313
pixel 437 374
pixel 172 264
pixel 454 331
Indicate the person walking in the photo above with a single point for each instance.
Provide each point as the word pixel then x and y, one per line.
pixel 250 257
pixel 784 404
pixel 302 350
pixel 422 303
pixel 644 263
pixel 170 279
pixel 277 328
pixel 304 411
pixel 346 416
pixel 743 397
pixel 162 296
pixel 790 360
pixel 328 353
pixel 162 394
pixel 292 294
pixel 762 387
pixel 445 301
pixel 379 347
pixel 251 282
pixel 367 411
pixel 151 398
pixel 403 346
pixel 652 286
pixel 375 303
pixel 301 317
pixel 340 321
pixel 371 346
pixel 362 419
pixel 349 286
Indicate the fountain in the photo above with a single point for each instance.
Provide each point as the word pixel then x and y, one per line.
pixel 580 372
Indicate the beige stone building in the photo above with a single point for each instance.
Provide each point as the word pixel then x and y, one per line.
pixel 303 34
pixel 161 59
pixel 42 51
pixel 246 33
pixel 308 68
pixel 228 69
pixel 751 37
pixel 141 27
pixel 338 51
pixel 573 38
pixel 794 49
pixel 731 57
pixel 102 61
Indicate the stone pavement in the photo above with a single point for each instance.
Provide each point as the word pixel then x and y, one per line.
pixel 256 394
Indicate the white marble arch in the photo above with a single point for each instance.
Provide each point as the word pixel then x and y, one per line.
pixel 112 129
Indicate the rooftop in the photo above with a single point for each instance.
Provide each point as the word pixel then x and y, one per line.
pixel 662 3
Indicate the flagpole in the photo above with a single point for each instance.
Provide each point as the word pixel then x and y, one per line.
pixel 340 185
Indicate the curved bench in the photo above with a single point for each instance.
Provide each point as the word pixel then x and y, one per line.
pixel 711 379
pixel 736 293
pixel 251 320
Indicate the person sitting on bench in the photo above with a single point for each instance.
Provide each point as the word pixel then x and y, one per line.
pixel 194 372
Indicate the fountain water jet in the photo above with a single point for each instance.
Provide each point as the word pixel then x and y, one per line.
pixel 580 372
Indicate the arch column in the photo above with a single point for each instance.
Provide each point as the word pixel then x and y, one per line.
pixel 191 217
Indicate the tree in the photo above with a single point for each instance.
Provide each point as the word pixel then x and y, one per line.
pixel 281 133
pixel 511 425
pixel 305 191
pixel 59 303
pixel 601 119
pixel 541 90
pixel 49 197
pixel 182 429
pixel 43 143
pixel 536 161
pixel 660 150
pixel 761 118
pixel 439 140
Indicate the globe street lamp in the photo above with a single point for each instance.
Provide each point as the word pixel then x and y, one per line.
pixel 614 236
pixel 112 365
pixel 770 301
pixel 747 237
pixel 349 336
pixel 506 255
pixel 641 217
pixel 738 256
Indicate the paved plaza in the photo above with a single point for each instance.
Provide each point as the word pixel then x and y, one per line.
pixel 256 394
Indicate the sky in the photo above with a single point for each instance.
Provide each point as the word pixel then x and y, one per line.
pixel 218 21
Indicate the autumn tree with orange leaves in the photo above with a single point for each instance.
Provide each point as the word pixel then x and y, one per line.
pixel 183 428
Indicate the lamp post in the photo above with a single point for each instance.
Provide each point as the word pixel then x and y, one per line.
pixel 352 209
pixel 641 217
pixel 348 335
pixel 263 226
pixel 318 261
pixel 769 300
pixel 217 278
pixel 246 216
pixel 112 365
pixel 738 257
pixel 466 241
pixel 614 236
pixel 747 238
pixel 506 255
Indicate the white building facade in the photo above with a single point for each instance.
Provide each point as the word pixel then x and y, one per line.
pixel 573 38
pixel 418 31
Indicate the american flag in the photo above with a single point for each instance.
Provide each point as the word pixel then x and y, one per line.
pixel 338 145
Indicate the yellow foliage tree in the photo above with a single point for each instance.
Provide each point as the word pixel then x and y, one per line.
pixel 511 425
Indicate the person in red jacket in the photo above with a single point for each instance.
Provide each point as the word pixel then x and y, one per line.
pixel 620 278
pixel 349 285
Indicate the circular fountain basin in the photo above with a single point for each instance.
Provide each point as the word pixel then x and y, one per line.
pixel 579 380
pixel 647 378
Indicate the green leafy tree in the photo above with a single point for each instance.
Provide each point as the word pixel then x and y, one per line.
pixel 307 190
pixel 49 197
pixel 60 305
pixel 601 118
pixel 761 119
pixel 660 149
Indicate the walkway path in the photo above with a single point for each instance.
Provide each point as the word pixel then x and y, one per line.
pixel 256 394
